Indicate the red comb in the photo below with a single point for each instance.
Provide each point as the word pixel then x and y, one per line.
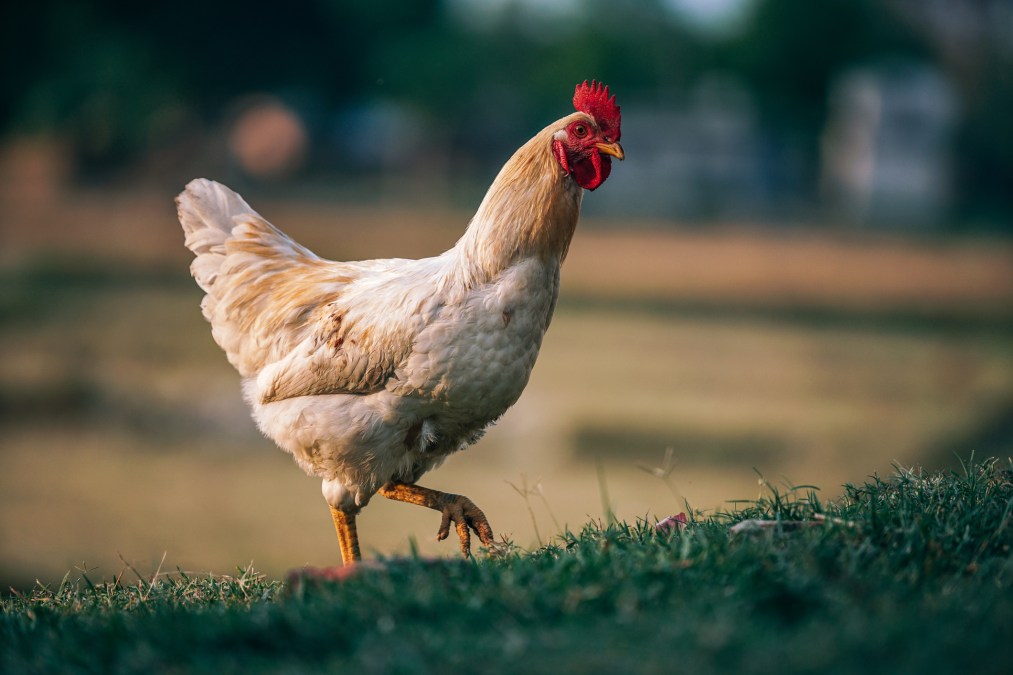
pixel 594 100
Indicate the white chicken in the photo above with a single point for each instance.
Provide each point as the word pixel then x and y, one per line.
pixel 371 373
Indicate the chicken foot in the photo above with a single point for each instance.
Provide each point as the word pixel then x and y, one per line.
pixel 348 536
pixel 455 508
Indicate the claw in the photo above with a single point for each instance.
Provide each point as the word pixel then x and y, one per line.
pixel 466 517
pixel 456 509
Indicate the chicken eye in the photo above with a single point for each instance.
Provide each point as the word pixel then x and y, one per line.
pixel 580 131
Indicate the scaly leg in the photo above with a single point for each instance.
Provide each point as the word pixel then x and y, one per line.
pixel 457 508
pixel 348 536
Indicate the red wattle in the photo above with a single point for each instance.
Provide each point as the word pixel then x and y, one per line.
pixel 591 171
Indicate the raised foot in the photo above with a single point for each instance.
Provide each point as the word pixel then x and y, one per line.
pixel 466 517
pixel 456 509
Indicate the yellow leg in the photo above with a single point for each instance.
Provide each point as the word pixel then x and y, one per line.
pixel 348 536
pixel 457 508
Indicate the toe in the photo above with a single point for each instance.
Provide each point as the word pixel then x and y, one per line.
pixel 465 536
pixel 478 522
pixel 444 530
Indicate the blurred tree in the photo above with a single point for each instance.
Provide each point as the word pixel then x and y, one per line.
pixel 118 78
pixel 791 52
pixel 973 43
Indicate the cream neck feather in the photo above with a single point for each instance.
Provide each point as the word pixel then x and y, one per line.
pixel 530 210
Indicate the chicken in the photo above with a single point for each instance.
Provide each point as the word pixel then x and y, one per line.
pixel 371 373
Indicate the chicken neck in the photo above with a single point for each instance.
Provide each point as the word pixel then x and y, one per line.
pixel 530 210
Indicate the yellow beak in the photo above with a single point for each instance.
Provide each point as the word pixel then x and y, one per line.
pixel 613 149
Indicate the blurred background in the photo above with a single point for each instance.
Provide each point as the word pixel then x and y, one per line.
pixel 804 270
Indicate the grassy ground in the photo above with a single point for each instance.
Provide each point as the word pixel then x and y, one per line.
pixel 908 575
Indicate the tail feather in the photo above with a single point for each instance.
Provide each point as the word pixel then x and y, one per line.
pixel 260 284
pixel 208 210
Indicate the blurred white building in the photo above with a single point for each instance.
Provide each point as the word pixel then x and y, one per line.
pixel 700 157
pixel 885 149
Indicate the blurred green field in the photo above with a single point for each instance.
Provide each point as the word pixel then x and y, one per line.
pixel 810 356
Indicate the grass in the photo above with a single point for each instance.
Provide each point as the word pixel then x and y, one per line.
pixel 908 575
